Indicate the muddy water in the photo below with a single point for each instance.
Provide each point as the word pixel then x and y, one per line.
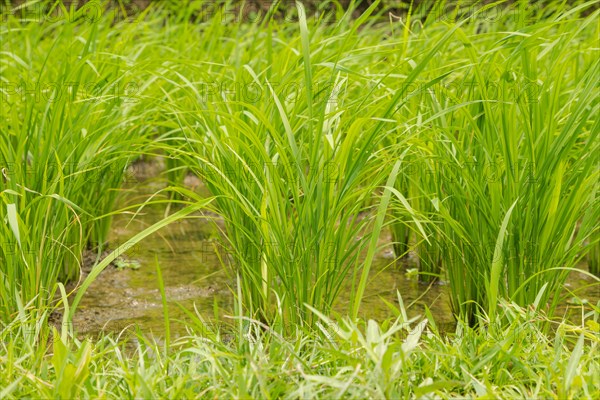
pixel 194 278
pixel 125 297
pixel 188 256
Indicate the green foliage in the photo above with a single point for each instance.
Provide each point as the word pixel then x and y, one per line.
pixel 472 135
pixel 515 127
pixel 394 359
pixel 292 178
pixel 593 258
pixel 72 122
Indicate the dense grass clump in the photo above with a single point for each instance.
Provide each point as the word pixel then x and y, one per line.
pixel 72 123
pixel 293 169
pixel 506 168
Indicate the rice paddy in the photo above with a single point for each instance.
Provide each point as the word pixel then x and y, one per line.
pixel 299 199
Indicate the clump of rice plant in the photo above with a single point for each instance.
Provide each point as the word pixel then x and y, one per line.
pixel 71 125
pixel 515 193
pixel 293 178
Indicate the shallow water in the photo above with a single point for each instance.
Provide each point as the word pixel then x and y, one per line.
pixel 194 279
pixel 121 298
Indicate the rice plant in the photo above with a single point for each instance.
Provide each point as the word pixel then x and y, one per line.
pixel 293 177
pixel 70 130
pixel 521 136
pixel 468 129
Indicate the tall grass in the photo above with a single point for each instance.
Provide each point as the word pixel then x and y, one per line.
pixel 285 177
pixel 471 133
pixel 294 178
pixel 70 129
pixel 522 133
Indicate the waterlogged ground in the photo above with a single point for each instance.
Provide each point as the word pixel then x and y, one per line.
pixel 191 264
